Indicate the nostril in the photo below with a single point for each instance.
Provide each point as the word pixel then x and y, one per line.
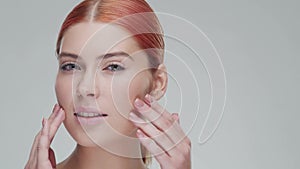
pixel 86 88
pixel 83 91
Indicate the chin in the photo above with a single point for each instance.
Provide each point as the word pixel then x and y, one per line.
pixel 103 136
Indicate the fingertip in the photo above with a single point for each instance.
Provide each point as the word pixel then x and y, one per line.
pixel 62 113
pixel 140 134
pixel 45 127
pixel 63 117
pixel 43 121
pixel 56 107
pixel 175 116
pixel 149 99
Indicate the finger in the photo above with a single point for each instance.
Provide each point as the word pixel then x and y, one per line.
pixel 155 113
pixel 156 106
pixel 54 112
pixel 164 123
pixel 43 145
pixel 164 113
pixel 153 148
pixel 56 122
pixel 33 150
pixel 146 111
pixel 152 132
pixel 175 117
pixel 35 143
pixel 170 141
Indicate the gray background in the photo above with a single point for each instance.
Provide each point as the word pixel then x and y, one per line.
pixel 258 42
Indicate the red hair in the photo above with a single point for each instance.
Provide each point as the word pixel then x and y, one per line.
pixel 136 16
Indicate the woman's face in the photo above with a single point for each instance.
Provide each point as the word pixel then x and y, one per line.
pixel 101 72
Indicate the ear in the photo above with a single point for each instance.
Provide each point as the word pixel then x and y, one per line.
pixel 160 82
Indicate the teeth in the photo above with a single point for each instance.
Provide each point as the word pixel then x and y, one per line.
pixel 86 114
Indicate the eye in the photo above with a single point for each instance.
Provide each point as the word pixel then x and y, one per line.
pixel 69 67
pixel 114 67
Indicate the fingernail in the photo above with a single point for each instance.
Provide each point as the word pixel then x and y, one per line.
pixel 139 133
pixel 149 98
pixel 56 106
pixel 43 121
pixel 175 116
pixel 139 103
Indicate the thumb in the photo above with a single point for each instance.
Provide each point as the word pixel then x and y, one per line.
pixel 175 116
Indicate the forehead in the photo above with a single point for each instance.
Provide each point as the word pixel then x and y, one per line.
pixel 91 37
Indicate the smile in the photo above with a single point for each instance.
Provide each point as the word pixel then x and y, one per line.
pixel 89 115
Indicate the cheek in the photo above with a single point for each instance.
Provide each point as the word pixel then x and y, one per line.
pixel 63 90
pixel 139 86
pixel 126 90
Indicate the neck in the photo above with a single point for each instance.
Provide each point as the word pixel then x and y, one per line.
pixel 98 158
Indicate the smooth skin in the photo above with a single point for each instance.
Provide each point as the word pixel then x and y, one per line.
pixel 166 127
pixel 159 130
pixel 41 155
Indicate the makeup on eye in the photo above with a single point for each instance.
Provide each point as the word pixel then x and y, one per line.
pixel 114 67
pixel 69 66
pixel 111 62
pixel 110 66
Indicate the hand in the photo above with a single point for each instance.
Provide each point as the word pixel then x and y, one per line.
pixel 41 155
pixel 162 135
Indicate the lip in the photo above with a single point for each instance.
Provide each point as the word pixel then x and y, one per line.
pixel 90 120
pixel 88 110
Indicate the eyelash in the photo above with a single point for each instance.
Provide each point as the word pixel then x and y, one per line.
pixel 114 64
pixel 73 65
pixel 66 67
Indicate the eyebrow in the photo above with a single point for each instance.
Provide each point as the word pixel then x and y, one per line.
pixel 105 56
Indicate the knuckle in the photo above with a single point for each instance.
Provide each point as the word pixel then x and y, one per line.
pixel 37 136
pixel 186 151
pixel 41 147
pixel 167 124
pixel 188 142
pixel 53 127
pixel 180 159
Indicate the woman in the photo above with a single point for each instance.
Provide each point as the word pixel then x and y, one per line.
pixel 110 76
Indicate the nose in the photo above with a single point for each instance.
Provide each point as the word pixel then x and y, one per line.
pixel 88 85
